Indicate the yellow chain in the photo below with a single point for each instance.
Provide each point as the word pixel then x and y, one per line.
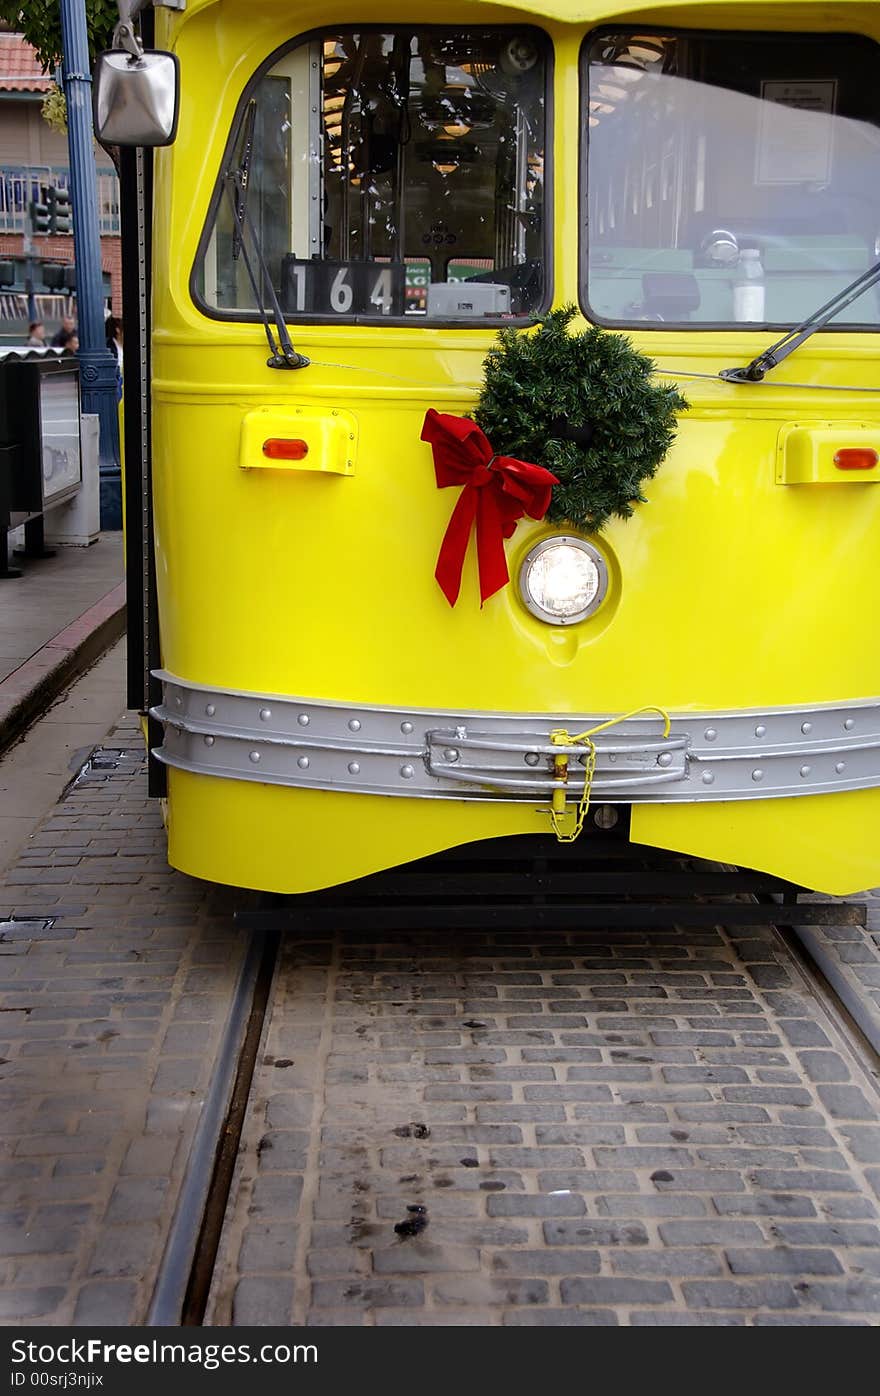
pixel 560 736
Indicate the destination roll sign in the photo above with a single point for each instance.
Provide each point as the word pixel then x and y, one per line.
pixel 312 287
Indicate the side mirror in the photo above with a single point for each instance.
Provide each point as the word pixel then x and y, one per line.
pixel 135 99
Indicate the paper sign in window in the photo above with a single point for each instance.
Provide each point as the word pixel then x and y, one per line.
pixel 796 132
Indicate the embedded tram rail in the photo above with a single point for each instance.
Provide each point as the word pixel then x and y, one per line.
pixel 537 1111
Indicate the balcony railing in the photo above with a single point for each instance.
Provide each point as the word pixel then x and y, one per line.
pixel 21 185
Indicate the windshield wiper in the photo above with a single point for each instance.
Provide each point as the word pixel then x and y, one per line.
pixel 282 353
pixel 754 371
pixel 244 169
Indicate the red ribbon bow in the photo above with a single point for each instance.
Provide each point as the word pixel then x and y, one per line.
pixel 497 491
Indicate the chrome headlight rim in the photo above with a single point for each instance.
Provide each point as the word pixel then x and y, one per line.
pixel 556 540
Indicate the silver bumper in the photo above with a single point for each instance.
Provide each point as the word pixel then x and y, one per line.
pixel 318 745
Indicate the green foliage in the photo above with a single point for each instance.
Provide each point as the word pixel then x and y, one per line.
pixel 54 110
pixel 592 378
pixel 40 23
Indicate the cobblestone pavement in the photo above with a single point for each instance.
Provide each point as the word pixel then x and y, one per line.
pixel 657 1127
pixel 115 973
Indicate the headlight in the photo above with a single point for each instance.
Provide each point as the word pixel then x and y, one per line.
pixel 563 580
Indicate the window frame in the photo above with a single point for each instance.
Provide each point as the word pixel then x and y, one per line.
pixel 228 315
pixel 693 326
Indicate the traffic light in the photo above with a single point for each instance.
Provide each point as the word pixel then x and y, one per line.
pixel 59 210
pixel 38 211
pixel 53 275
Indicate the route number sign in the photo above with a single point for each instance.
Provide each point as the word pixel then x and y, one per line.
pixel 342 288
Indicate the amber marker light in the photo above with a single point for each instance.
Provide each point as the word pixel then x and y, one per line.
pixel 284 448
pixel 856 458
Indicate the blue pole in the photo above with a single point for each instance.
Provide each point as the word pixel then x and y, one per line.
pixel 97 363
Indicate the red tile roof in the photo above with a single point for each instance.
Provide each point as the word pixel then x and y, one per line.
pixel 19 69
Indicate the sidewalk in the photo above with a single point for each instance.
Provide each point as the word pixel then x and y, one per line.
pixel 56 620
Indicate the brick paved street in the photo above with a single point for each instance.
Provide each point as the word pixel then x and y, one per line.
pixel 658 1127
pixel 645 1128
pixel 115 974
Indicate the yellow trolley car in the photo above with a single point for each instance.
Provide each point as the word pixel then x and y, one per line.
pixel 374 192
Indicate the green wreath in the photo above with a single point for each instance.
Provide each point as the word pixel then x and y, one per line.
pixel 584 406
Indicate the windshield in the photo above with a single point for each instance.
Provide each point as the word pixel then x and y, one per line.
pixel 389 174
pixel 731 178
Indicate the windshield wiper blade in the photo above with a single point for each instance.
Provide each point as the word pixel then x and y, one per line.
pixel 282 353
pixel 243 172
pixel 754 371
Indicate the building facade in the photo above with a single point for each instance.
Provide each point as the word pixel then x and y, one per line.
pixel 33 157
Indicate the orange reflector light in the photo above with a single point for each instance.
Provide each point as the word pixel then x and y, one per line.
pixel 283 448
pixel 856 458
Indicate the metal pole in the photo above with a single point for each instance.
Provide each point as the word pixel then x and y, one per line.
pixel 28 250
pixel 29 292
pixel 97 364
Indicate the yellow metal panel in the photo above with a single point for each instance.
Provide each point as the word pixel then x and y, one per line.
pixel 330 435
pixel 273 839
pixel 826 842
pixel 279 840
pixel 806 14
pixel 805 454
pixel 686 626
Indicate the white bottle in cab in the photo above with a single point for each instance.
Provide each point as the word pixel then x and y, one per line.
pixel 748 288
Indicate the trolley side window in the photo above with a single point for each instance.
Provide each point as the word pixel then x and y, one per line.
pixel 394 175
pixel 729 177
